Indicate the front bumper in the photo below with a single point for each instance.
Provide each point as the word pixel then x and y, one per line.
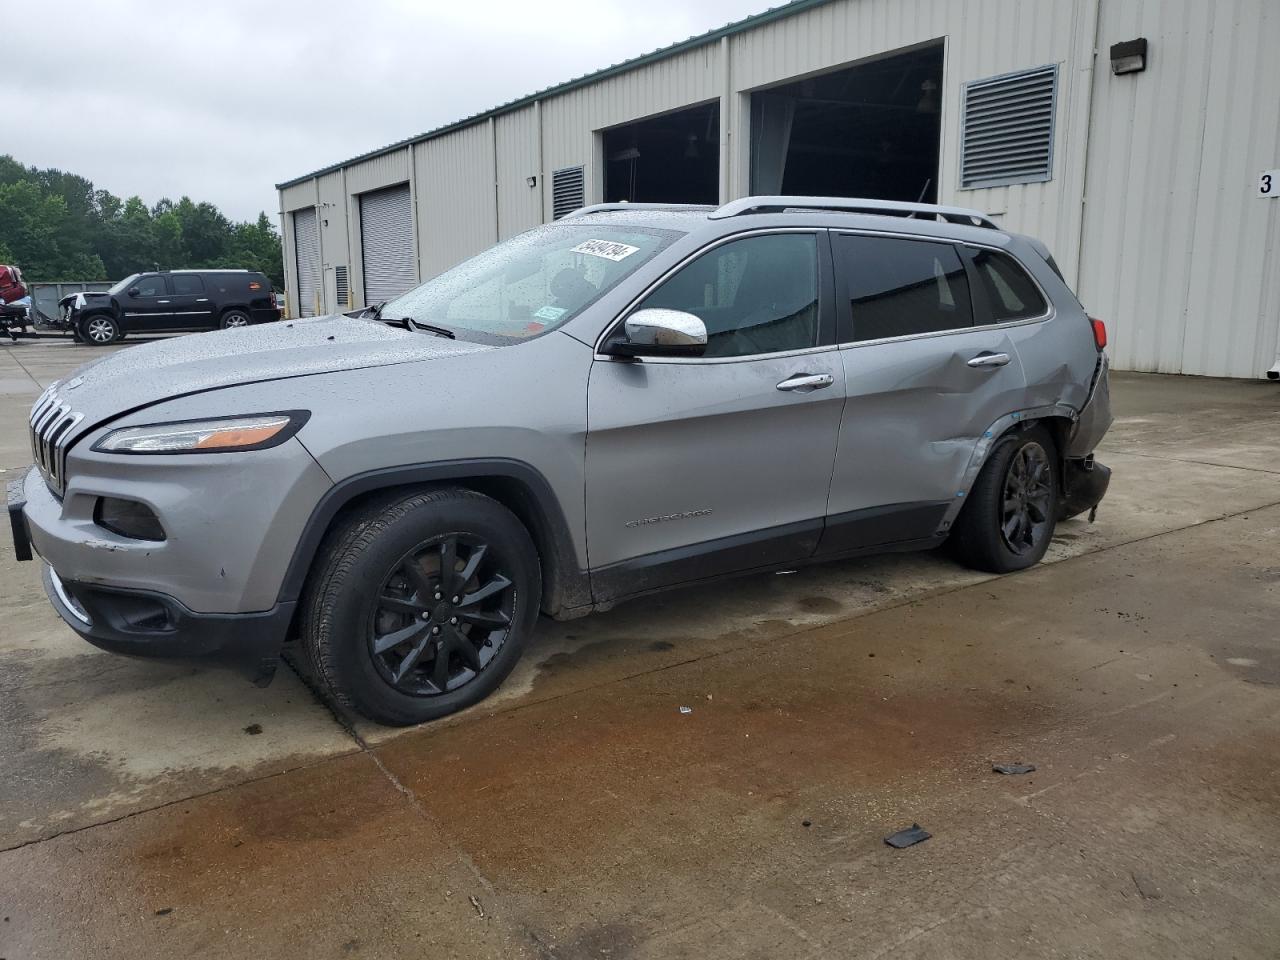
pixel 230 522
pixel 145 623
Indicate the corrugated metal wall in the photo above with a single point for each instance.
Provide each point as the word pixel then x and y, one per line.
pixel 1179 255
pixel 1178 145
pixel 457 205
pixel 519 205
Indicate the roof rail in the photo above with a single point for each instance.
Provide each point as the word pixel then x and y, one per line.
pixel 893 208
pixel 610 207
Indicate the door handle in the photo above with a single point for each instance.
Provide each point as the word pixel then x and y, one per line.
pixel 807 382
pixel 162 301
pixel 989 360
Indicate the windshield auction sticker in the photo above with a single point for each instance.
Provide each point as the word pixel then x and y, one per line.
pixel 606 249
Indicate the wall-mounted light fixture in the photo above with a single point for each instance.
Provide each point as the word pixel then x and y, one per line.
pixel 531 181
pixel 1129 57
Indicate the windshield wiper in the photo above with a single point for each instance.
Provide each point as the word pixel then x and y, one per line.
pixel 375 313
pixel 431 328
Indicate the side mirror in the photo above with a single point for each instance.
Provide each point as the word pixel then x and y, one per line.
pixel 133 292
pixel 658 332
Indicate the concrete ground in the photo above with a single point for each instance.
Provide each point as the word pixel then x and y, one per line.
pixel 161 811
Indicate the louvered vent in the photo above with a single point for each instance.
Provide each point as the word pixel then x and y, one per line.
pixel 1008 129
pixel 341 288
pixel 568 191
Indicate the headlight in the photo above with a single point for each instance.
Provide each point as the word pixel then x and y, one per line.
pixel 206 436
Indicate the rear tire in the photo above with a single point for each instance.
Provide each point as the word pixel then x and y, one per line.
pixel 233 319
pixel 1009 517
pixel 420 606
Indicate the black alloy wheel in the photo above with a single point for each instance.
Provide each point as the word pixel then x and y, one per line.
pixel 441 616
pixel 1011 510
pixel 420 603
pixel 1027 502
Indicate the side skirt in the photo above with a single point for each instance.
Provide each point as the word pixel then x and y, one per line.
pixel 889 529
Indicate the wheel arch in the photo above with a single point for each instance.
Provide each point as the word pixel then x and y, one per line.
pixel 1057 419
pixel 516 485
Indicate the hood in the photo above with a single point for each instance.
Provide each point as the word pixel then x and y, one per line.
pixel 78 299
pixel 166 369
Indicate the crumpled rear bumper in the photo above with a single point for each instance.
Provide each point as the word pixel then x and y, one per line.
pixel 1095 416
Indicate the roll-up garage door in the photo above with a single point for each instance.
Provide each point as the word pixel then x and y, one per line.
pixel 306 242
pixel 386 241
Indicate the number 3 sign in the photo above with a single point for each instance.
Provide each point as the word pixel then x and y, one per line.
pixel 1269 183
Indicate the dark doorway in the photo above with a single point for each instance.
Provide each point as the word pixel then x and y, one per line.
pixel 674 158
pixel 872 130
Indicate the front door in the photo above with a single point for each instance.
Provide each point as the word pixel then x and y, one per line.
pixel 698 467
pixel 148 304
pixel 192 308
pixel 923 383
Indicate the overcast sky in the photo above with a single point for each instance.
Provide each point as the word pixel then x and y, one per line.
pixel 222 99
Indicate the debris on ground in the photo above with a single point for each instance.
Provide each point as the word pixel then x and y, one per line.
pixel 162 912
pixel 253 729
pixel 475 902
pixel 686 709
pixel 909 837
pixel 806 823
pixel 1013 769
pixel 1147 887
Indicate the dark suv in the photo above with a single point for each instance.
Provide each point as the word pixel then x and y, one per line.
pixel 170 301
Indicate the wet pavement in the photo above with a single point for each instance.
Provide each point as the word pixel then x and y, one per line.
pixel 156 811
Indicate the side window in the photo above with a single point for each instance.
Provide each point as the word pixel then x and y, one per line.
pixel 1011 294
pixel 897 287
pixel 151 287
pixel 755 295
pixel 186 284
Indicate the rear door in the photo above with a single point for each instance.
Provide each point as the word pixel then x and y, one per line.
pixel 698 467
pixel 192 305
pixel 923 383
pixel 148 304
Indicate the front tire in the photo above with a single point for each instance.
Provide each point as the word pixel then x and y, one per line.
pixel 421 606
pixel 1009 518
pixel 99 330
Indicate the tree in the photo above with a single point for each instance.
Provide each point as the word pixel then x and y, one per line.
pixel 30 223
pixel 57 226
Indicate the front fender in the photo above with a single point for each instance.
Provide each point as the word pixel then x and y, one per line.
pixel 517 485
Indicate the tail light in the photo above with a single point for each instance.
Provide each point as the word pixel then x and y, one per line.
pixel 1099 332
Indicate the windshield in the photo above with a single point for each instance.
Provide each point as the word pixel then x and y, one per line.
pixel 532 283
pixel 122 285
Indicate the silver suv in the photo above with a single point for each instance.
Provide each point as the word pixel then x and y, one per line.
pixel 629 399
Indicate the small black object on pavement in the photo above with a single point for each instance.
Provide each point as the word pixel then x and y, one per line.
pixel 907 838
pixel 1013 769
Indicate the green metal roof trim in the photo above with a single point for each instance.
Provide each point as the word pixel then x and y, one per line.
pixel 711 36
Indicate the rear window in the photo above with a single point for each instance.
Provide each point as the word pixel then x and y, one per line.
pixel 1011 294
pixel 898 288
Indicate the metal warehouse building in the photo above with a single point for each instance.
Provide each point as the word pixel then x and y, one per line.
pixel 1132 137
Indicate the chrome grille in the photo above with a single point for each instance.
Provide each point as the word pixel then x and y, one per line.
pixel 52 423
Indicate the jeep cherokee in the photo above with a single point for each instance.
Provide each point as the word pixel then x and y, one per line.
pixel 629 399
